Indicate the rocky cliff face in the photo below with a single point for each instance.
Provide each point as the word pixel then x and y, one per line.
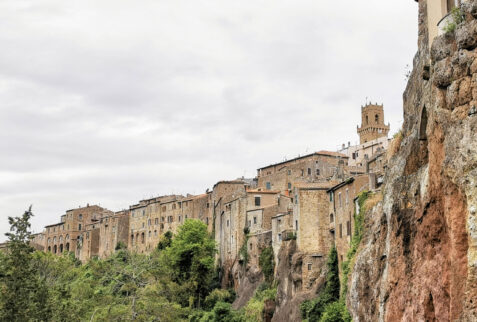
pixel 418 258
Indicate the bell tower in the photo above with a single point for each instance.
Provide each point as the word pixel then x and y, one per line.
pixel 372 123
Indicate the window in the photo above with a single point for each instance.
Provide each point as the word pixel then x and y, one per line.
pixel 450 5
pixel 207 205
pixel 331 196
pixel 296 200
pixel 289 185
pixel 180 205
pixel 348 228
pixel 279 221
pixel 376 118
pixel 279 237
pixel 251 246
pixel 296 224
pixel 367 121
pixel 155 232
pixel 289 172
pixel 347 196
pixel 79 226
pixel 227 222
pixel 331 218
pixel 317 172
pixel 180 218
pixel 142 238
pixel 309 266
pixel 143 213
pixel 149 222
pixel 341 231
pixel 186 217
pixel 339 199
pixel 162 219
pixel 309 171
pixel 254 220
pixel 173 206
pixel 207 221
pixel 257 201
pixel 269 186
pixel 302 172
pixel 80 217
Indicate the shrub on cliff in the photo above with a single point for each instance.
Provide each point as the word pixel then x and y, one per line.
pixel 267 263
pixel 336 312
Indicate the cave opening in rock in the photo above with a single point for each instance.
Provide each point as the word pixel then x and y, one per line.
pixel 423 142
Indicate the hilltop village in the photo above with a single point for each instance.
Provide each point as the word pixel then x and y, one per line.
pixel 310 198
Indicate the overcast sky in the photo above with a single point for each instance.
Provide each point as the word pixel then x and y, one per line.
pixel 110 102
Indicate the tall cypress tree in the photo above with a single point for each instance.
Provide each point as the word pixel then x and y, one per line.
pixel 23 297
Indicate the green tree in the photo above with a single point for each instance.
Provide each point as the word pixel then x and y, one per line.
pixel 23 296
pixel 191 259
pixel 165 240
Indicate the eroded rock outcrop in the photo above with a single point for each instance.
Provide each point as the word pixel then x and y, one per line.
pixel 418 258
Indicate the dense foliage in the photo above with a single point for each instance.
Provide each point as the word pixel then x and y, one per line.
pixel 176 282
pixel 266 262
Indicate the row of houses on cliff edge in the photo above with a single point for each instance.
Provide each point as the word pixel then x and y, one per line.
pixel 310 199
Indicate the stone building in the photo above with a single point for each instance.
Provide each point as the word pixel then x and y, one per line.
pixel 342 210
pixel 316 167
pixel 88 241
pixel 38 241
pixel 311 226
pixel 372 123
pixel 282 230
pixel 113 230
pixel 63 236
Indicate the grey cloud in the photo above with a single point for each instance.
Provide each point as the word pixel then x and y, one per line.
pixel 114 101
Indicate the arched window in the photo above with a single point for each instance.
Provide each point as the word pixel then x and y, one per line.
pixel 61 239
pixel 367 121
pixel 49 248
pixel 376 118
pixel 67 237
pixel 61 248
pixel 49 240
pixel 54 239
pixel 67 247
pixel 80 217
pixel 54 249
pixel 132 239
pixel 142 237
pixel 331 217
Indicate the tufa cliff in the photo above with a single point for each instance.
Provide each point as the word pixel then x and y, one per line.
pixel 418 258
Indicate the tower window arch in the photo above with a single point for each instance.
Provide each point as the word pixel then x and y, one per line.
pixel 367 120
pixel 376 118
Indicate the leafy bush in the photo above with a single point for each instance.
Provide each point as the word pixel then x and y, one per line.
pixel 267 263
pixel 218 295
pixel 457 17
pixel 243 251
pixel 336 312
pixel 254 307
